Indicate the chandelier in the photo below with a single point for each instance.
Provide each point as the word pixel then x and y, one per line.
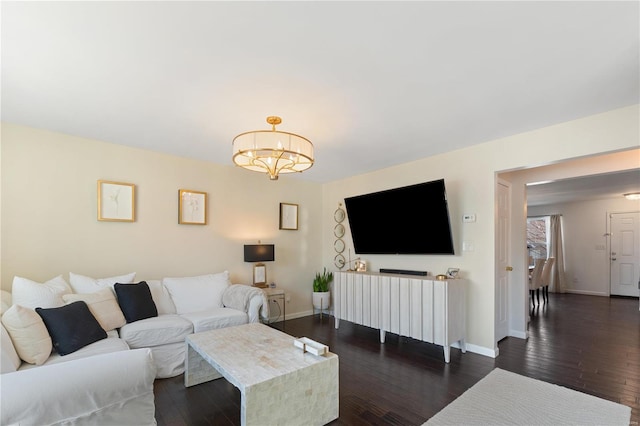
pixel 272 151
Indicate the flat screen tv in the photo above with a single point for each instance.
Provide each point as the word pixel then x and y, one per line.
pixel 408 220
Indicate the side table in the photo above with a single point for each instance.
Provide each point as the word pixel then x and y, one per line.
pixel 275 296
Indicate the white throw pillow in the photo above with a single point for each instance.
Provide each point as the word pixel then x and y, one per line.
pixel 28 333
pixel 195 294
pixel 83 284
pixel 31 294
pixel 103 305
pixel 9 361
pixel 161 297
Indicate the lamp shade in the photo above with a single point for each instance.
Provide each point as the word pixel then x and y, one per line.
pixel 259 253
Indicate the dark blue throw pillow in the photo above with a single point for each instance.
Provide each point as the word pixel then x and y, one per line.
pixel 135 301
pixel 71 327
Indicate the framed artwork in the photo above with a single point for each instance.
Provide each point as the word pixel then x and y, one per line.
pixel 288 216
pixel 116 201
pixel 192 207
pixel 259 275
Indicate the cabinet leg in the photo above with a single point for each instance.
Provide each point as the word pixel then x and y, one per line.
pixel 382 335
pixel 463 346
pixel 447 353
pixel 337 322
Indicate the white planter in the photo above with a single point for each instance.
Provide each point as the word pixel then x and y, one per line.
pixel 321 300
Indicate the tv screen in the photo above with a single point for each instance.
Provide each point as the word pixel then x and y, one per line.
pixel 408 220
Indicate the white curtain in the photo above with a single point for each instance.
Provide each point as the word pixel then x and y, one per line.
pixel 558 282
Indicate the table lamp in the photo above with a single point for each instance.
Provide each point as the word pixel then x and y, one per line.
pixel 259 253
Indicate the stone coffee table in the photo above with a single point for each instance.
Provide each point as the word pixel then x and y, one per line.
pixel 278 383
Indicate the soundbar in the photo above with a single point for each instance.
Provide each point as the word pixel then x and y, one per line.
pixel 403 272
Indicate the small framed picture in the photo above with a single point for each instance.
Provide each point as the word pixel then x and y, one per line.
pixel 288 216
pixel 453 272
pixel 192 207
pixel 116 201
pixel 259 275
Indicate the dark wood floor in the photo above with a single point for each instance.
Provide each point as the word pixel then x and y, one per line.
pixel 587 343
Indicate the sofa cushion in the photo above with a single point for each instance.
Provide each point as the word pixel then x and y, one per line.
pixel 9 361
pixel 31 294
pixel 135 301
pixel 83 284
pixel 103 305
pixel 71 327
pixel 111 344
pixel 161 297
pixel 28 333
pixel 196 294
pixel 156 331
pixel 216 318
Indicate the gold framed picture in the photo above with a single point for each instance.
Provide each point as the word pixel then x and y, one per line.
pixel 260 275
pixel 116 201
pixel 288 216
pixel 192 207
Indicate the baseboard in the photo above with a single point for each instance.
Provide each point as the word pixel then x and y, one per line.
pixel 587 293
pixel 518 334
pixel 298 315
pixel 481 350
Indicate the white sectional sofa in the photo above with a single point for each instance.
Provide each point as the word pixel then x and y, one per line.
pixel 137 333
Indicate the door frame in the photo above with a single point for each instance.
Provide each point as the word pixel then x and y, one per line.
pixel 608 248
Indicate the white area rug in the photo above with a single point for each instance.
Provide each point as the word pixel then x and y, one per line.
pixel 505 398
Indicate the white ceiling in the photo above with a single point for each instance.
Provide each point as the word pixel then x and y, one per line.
pixel 602 186
pixel 372 84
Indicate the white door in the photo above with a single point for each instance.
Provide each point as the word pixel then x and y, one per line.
pixel 625 253
pixel 503 266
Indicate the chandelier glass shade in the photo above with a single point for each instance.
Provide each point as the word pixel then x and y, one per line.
pixel 272 151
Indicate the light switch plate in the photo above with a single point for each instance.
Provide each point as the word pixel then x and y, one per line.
pixel 468 218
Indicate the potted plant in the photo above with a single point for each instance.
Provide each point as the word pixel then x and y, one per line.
pixel 321 293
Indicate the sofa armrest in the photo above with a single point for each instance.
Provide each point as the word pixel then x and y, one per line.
pixel 114 388
pixel 248 299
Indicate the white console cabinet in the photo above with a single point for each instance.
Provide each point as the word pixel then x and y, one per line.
pixel 422 308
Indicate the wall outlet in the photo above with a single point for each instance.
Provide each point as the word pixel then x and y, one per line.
pixel 287 298
pixel 468 218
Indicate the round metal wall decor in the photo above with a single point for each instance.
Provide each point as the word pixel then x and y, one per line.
pixel 338 231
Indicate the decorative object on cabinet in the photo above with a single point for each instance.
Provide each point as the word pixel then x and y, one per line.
pixel 453 272
pixel 288 216
pixel 321 293
pixel 339 261
pixel 272 151
pixel 259 253
pixel 116 201
pixel 192 207
pixel 361 266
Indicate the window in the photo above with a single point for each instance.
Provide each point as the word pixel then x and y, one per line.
pixel 537 238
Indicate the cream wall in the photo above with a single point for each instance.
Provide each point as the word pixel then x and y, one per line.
pixel 470 175
pixel 50 226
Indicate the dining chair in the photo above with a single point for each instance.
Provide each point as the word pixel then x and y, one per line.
pixel 546 277
pixel 535 282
